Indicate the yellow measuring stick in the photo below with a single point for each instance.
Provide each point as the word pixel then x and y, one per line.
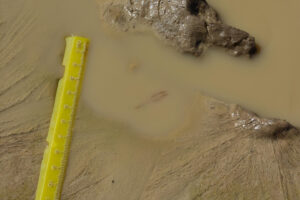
pixel 60 131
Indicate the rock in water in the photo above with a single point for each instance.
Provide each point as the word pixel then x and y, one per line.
pixel 189 25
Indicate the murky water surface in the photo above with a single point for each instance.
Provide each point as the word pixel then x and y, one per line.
pixel 135 79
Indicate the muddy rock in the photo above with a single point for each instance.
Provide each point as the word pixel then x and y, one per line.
pixel 189 25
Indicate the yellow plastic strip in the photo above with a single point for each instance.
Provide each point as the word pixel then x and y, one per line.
pixel 59 136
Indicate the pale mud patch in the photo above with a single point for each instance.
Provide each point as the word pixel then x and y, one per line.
pixel 208 157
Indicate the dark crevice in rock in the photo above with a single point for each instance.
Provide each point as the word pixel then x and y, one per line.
pixel 193 6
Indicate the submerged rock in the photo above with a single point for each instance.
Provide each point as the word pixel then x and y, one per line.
pixel 190 25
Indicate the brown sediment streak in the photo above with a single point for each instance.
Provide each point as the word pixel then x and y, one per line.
pixel 154 98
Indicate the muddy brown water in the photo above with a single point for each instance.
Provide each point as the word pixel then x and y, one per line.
pixel 135 79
